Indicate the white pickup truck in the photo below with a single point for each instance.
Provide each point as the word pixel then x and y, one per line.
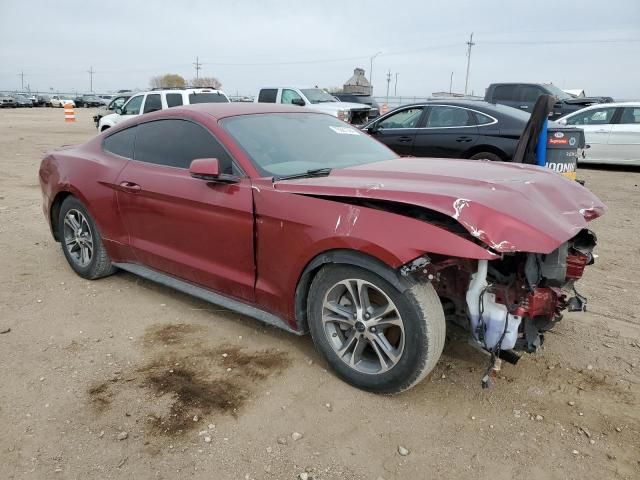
pixel 317 99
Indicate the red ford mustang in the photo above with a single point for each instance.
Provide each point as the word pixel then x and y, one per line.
pixel 304 222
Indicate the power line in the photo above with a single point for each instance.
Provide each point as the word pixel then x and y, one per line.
pixel 469 45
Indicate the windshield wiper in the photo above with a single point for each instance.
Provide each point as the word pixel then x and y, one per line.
pixel 316 172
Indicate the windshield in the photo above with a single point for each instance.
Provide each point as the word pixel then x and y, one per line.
pixel 207 98
pixel 292 143
pixel 557 92
pixel 316 95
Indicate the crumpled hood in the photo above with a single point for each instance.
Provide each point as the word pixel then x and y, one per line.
pixel 510 207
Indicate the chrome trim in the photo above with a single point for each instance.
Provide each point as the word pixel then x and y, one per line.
pixel 495 120
pixel 207 295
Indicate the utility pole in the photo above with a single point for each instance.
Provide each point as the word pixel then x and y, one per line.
pixel 469 45
pixel 395 87
pixel 371 73
pixel 21 75
pixel 197 65
pixel 451 84
pixel 91 71
pixel 388 82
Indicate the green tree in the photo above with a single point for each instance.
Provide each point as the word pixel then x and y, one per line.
pixel 168 80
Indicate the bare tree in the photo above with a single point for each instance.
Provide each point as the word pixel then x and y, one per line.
pixel 206 82
pixel 167 80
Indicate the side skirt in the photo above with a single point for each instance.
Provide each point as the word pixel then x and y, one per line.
pixel 206 295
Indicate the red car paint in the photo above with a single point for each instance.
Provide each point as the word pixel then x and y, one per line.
pixel 253 239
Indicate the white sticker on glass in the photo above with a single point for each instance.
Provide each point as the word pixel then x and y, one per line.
pixel 344 130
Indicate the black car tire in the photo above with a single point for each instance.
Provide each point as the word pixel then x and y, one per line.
pixel 486 156
pixel 420 313
pixel 100 264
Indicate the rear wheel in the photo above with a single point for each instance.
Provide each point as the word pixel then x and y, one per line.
pixel 486 156
pixel 81 242
pixel 372 335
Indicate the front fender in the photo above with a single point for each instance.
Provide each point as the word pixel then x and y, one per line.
pixel 303 227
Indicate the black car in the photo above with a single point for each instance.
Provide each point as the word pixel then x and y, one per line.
pixel 88 101
pixel 451 129
pixel 523 96
pixel 374 111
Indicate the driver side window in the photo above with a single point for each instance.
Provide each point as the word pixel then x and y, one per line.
pixel 600 116
pixel 133 106
pixel 288 96
pixel 407 118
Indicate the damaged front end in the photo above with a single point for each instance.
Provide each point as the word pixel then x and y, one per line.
pixel 509 303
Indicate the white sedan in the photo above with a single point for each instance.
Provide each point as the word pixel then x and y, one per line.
pixel 612 131
pixel 61 101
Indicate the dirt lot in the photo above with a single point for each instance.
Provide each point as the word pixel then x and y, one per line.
pixel 200 392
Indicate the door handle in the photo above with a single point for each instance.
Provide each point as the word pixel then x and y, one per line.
pixel 524 106
pixel 463 139
pixel 601 131
pixel 130 187
pixel 405 139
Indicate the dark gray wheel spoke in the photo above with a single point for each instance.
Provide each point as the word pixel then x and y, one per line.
pixel 387 354
pixel 341 310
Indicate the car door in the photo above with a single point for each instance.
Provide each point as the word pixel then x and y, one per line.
pixel 447 132
pixel 199 231
pixel 506 95
pixel 398 129
pixel 624 139
pixel 527 97
pixel 596 123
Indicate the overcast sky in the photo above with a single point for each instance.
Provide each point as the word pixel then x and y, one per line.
pixel 590 44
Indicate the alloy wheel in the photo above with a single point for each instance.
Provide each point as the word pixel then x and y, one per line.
pixel 78 239
pixel 363 326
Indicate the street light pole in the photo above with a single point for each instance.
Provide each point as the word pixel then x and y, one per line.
pixel 371 73
pixel 395 87
pixel 451 83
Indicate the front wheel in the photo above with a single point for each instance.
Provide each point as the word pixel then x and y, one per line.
pixel 81 241
pixel 486 156
pixel 372 335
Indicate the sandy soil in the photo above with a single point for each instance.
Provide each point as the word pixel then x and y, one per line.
pixel 206 393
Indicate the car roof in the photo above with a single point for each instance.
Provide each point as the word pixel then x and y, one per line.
pixel 232 109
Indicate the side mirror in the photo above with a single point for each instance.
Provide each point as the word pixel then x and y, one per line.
pixel 209 169
pixel 205 168
pixel 373 128
pixel 298 101
pixel 119 110
pixel 562 121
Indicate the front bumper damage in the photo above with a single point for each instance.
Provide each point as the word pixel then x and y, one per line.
pixel 509 303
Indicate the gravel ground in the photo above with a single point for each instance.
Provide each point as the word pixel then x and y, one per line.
pixel 122 378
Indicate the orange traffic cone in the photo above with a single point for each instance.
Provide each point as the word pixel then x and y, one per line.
pixel 69 115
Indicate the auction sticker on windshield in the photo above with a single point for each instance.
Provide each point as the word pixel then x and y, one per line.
pixel 344 130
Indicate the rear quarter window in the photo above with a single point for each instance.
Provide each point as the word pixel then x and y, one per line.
pixel 205 97
pixel 268 95
pixel 120 143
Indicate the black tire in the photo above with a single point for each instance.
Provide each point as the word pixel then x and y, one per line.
pixel 99 264
pixel 486 156
pixel 422 317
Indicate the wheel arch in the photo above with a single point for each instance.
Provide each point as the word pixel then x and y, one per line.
pixel 340 257
pixel 486 148
pixel 54 212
